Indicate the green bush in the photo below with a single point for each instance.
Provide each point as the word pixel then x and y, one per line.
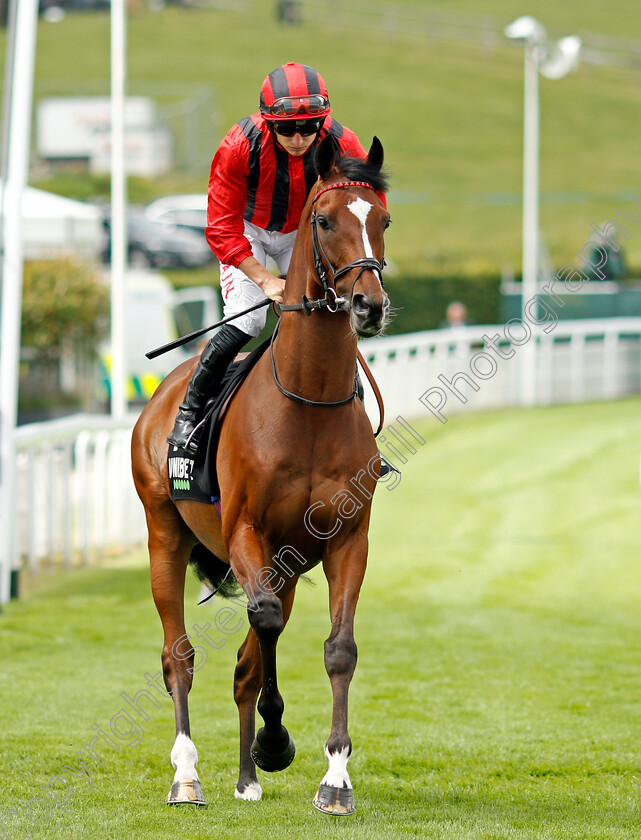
pixel 65 315
pixel 63 301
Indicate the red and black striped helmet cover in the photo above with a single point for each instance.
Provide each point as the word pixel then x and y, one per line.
pixel 291 80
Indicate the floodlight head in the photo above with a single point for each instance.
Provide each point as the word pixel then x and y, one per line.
pixel 561 58
pixel 525 29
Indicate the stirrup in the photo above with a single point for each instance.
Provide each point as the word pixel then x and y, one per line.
pixel 193 441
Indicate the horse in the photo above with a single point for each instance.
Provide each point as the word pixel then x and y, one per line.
pixel 296 449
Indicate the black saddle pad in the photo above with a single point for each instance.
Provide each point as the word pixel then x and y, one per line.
pixel 193 476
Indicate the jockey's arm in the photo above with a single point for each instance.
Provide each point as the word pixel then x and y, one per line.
pixel 271 285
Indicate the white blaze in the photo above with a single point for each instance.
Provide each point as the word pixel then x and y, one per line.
pixel 360 208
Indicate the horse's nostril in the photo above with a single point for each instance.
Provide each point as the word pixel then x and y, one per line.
pixel 362 305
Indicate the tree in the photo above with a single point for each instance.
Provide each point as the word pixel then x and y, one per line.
pixel 65 315
pixel 64 301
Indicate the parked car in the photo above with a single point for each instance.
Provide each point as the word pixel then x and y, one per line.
pixel 185 211
pixel 159 244
pixel 90 5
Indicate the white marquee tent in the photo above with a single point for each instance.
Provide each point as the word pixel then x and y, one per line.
pixel 53 225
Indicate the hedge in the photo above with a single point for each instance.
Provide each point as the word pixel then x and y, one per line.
pixel 419 303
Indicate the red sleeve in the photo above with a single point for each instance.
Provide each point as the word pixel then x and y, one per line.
pixel 226 199
pixel 351 145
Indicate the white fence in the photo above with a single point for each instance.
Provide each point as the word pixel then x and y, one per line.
pixel 75 498
pixel 456 370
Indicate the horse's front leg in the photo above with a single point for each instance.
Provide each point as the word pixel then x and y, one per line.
pixel 272 749
pixel 169 548
pixel 247 684
pixel 344 568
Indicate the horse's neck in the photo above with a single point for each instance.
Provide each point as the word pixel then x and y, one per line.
pixel 315 354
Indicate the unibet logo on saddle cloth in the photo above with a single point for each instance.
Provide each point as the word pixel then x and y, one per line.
pixel 181 470
pixel 183 480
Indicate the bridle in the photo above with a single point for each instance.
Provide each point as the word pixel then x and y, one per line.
pixel 321 261
pixel 323 267
pixel 332 302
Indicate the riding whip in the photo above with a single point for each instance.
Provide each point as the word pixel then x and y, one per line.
pixel 185 339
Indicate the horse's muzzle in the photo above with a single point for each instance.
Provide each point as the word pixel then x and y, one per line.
pixel 368 316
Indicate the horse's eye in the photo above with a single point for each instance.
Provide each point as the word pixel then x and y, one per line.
pixel 323 223
pixel 387 224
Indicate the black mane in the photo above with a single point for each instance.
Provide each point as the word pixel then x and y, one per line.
pixel 357 169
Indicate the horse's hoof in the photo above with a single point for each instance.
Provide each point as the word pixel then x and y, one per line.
pixel 272 762
pixel 250 793
pixel 186 793
pixel 333 800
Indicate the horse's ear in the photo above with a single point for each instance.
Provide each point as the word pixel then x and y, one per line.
pixel 375 154
pixel 325 156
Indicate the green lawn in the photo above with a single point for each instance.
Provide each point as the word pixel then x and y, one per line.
pixel 449 115
pixel 498 692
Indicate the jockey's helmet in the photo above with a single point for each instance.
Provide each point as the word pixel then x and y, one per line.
pixel 294 92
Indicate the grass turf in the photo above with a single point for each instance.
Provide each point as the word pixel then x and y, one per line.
pixel 498 692
pixel 449 115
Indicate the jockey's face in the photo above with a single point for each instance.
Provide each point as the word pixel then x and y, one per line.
pixel 297 144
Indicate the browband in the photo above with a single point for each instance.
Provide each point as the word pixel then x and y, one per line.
pixel 340 185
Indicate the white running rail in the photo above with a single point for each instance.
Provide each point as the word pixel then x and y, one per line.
pixel 75 498
pixel 576 361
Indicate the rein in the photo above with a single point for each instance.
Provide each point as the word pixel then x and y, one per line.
pixel 329 286
pixel 331 301
pixel 296 397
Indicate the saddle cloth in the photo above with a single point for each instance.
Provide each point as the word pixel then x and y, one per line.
pixel 193 475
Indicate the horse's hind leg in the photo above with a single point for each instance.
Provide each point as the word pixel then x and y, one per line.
pixel 247 682
pixel 169 548
pixel 344 569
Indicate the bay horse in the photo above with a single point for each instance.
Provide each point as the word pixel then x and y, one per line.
pixel 294 443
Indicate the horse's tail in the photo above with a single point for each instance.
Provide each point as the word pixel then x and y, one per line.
pixel 211 570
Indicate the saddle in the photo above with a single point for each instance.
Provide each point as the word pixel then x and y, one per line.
pixel 193 475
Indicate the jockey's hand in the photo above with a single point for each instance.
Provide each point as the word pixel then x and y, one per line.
pixel 274 288
pixel 271 285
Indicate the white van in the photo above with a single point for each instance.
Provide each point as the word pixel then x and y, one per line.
pixel 155 314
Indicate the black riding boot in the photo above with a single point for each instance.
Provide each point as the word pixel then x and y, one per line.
pixel 207 377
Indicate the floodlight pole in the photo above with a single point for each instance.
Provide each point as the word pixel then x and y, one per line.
pixel 553 61
pixel 118 208
pixel 530 233
pixel 18 138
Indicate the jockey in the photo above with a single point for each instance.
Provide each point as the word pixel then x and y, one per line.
pixel 260 178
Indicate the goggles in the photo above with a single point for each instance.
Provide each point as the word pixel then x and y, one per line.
pixel 291 127
pixel 313 105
